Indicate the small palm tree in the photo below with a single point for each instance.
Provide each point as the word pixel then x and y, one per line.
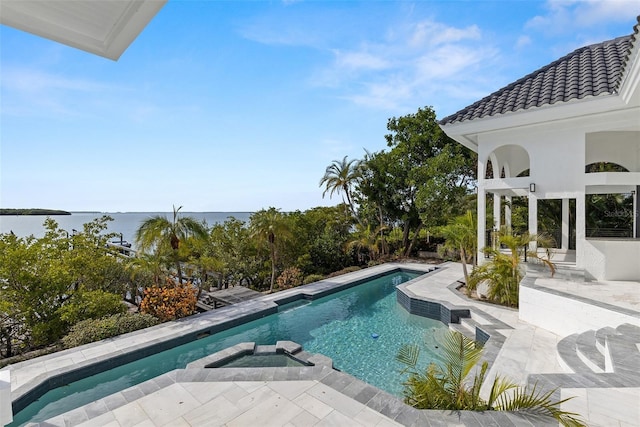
pixel 447 388
pixel 461 234
pixel 161 235
pixel 269 226
pixel 505 272
pixel 340 176
pixel 365 238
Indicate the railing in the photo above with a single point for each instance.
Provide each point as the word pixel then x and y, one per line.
pixel 609 232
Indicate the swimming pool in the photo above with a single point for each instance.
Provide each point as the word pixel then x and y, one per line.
pixel 360 328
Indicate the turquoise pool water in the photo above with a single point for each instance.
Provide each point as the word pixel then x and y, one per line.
pixel 341 326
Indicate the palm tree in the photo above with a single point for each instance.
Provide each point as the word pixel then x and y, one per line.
pixel 340 176
pixel 162 235
pixel 365 238
pixel 461 234
pixel 505 272
pixel 447 388
pixel 269 226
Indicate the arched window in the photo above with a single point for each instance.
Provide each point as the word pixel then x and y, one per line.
pixel 604 167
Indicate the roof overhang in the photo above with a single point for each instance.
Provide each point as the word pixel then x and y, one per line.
pixel 466 132
pixel 103 27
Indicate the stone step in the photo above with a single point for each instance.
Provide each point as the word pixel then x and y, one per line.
pixel 589 353
pixel 568 356
pixel 624 351
pixel 464 330
pixel 601 337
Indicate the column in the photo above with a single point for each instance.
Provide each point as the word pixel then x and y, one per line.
pixel 507 211
pixel 497 202
pixel 565 224
pixel 580 229
pixel 482 220
pixel 533 219
pixel 636 212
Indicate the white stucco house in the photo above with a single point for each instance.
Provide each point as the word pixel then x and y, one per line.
pixel 540 133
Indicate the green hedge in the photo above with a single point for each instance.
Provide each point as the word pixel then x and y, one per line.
pixel 313 278
pixel 91 330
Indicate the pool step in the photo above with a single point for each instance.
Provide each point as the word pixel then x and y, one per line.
pixel 466 327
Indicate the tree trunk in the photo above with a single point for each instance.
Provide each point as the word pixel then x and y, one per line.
pixel 383 241
pixel 273 267
pixel 179 270
pixel 463 258
pixel 413 241
pixel 405 236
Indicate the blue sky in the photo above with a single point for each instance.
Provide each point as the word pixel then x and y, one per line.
pixel 238 106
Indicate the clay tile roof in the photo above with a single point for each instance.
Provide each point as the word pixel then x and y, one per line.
pixel 589 71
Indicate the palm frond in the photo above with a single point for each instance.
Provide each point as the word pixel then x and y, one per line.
pixel 408 355
pixel 538 403
pixel 460 353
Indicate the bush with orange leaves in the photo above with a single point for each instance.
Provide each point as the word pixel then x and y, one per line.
pixel 169 302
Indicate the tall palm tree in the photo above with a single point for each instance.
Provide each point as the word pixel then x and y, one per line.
pixel 447 387
pixel 339 177
pixel 161 235
pixel 461 235
pixel 270 227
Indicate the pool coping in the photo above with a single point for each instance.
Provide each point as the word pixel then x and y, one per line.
pixel 322 371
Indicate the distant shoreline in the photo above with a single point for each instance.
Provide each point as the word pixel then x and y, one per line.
pixel 33 212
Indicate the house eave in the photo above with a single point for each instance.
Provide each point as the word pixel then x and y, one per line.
pixel 68 22
pixel 466 133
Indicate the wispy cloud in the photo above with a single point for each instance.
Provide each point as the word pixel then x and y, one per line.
pixel 33 92
pixel 566 16
pixel 412 61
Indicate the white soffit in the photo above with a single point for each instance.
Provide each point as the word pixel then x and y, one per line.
pixel 103 27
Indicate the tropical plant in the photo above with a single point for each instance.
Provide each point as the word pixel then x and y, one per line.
pixel 269 226
pixel 504 272
pixel 341 176
pixel 169 302
pixel 290 278
pixel 161 235
pixel 366 238
pixel 447 387
pixel 42 276
pixel 461 235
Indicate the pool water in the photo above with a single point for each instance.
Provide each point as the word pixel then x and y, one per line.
pixel 262 361
pixel 360 328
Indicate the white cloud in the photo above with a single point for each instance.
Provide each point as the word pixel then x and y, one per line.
pixel 359 61
pixel 28 80
pixel 410 62
pixel 433 34
pixel 523 41
pixel 566 16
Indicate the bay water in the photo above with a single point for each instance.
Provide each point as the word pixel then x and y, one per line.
pixel 125 223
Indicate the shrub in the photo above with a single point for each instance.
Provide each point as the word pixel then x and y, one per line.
pixel 312 278
pixel 91 305
pixel 169 302
pixel 91 330
pixel 345 271
pixel 290 278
